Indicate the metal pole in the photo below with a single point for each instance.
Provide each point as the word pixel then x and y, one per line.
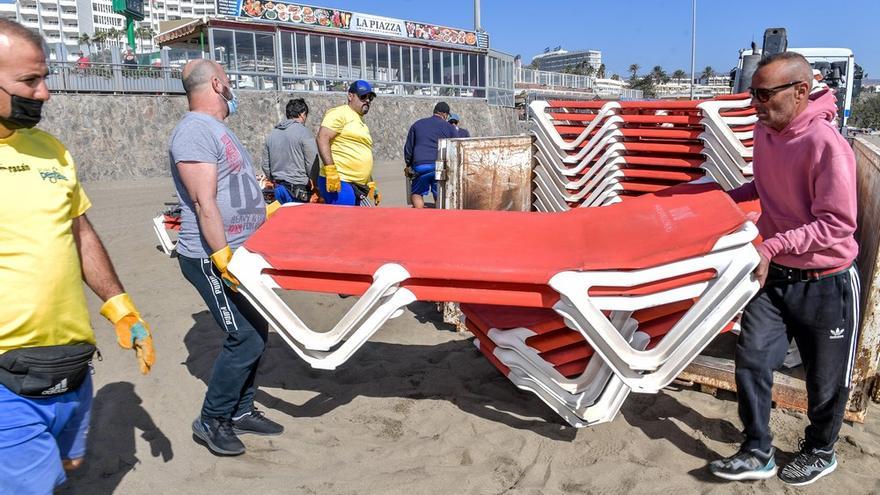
pixel 477 26
pixel 693 44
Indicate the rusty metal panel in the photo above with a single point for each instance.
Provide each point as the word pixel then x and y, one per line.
pixel 868 354
pixel 484 173
pixel 492 173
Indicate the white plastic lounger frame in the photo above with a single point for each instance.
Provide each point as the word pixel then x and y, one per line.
pixel 733 259
pixel 168 246
pixel 585 155
pixel 608 110
pixel 382 301
pixel 587 384
pixel 581 402
pixel 603 410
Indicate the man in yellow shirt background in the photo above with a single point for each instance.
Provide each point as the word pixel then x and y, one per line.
pixel 48 248
pixel 346 150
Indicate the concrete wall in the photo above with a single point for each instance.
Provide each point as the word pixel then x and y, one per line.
pixel 125 136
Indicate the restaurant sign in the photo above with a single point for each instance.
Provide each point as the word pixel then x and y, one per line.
pixel 298 14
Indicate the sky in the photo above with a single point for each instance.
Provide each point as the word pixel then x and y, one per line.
pixel 649 32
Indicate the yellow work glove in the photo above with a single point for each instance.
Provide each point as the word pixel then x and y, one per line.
pixel 131 331
pixel 374 193
pixel 334 183
pixel 271 208
pixel 221 261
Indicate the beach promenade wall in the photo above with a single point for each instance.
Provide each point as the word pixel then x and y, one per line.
pixel 126 136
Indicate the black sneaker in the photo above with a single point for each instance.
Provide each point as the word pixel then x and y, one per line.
pixel 745 465
pixel 808 466
pixel 257 423
pixel 218 435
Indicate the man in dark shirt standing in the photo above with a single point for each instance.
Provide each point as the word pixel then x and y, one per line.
pixel 290 156
pixel 420 152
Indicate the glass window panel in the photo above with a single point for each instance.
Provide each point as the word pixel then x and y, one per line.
pixel 396 68
pixel 481 70
pixel 382 62
pixel 246 59
pixel 407 64
pixel 342 46
pixel 371 61
pixel 356 61
pixel 316 57
pixel 417 65
pixel 472 70
pixel 302 60
pixel 460 69
pixel 447 67
pixel 265 52
pixel 224 49
pixel 286 53
pixel 330 58
pixel 435 66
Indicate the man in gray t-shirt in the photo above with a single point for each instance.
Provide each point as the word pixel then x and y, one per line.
pixel 221 206
pixel 202 138
pixel 290 156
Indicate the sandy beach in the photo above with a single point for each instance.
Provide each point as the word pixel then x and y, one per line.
pixel 417 410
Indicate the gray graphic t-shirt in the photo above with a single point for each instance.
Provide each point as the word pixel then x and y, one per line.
pixel 201 138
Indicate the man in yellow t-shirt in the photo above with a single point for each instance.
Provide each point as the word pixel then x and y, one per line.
pixel 47 249
pixel 346 149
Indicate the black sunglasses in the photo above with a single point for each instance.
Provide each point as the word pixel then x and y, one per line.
pixel 764 94
pixel 367 97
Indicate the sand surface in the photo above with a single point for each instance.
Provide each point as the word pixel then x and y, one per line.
pixel 416 410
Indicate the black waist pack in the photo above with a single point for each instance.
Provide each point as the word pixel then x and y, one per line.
pixel 45 371
pixel 298 192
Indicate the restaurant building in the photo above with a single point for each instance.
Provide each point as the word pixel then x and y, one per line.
pixel 295 47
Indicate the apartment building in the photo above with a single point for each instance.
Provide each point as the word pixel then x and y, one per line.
pixel 62 21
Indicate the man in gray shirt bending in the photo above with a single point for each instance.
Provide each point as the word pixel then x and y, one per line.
pixel 290 157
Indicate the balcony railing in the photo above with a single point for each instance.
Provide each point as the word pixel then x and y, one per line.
pixel 75 77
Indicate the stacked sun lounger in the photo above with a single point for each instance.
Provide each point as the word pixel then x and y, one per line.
pixel 539 353
pixel 579 307
pixel 595 153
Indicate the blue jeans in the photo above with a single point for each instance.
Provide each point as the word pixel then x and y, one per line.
pixel 36 434
pixel 231 386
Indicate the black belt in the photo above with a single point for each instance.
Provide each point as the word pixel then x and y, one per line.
pixel 779 272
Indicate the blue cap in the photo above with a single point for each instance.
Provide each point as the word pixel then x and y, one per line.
pixel 453 117
pixel 361 88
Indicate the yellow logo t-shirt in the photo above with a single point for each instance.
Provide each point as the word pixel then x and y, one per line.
pixel 41 292
pixel 352 148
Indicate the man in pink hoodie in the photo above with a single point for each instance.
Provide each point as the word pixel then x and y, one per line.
pixel 805 179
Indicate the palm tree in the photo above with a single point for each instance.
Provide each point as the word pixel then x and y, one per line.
pixel 634 70
pixel 143 34
pixel 601 72
pixel 99 38
pixel 659 75
pixel 615 77
pixel 85 40
pixel 678 75
pixel 114 34
pixel 590 71
pixel 707 73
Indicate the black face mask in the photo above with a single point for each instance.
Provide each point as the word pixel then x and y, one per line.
pixel 24 112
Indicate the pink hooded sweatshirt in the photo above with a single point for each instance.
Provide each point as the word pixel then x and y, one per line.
pixel 805 178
